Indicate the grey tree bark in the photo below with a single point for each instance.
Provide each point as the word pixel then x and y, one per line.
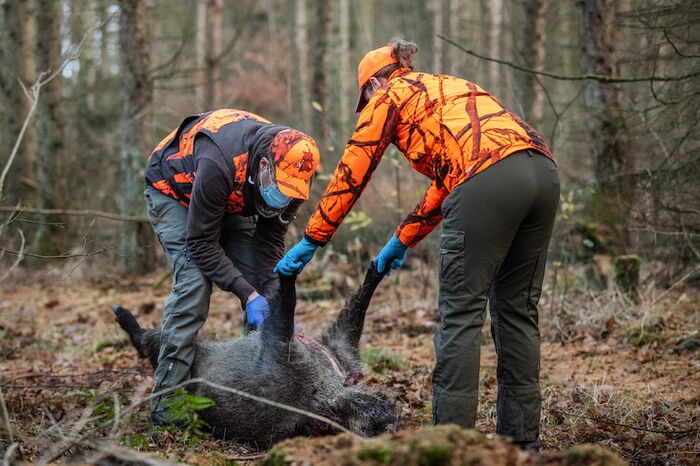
pixel 49 120
pixel 213 53
pixel 200 51
pixel 136 238
pixel 438 29
pixel 301 42
pixel 319 65
pixel 531 48
pixel 606 121
pixel 17 32
pixel 345 73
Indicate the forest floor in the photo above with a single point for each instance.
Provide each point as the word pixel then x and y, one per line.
pixel 619 375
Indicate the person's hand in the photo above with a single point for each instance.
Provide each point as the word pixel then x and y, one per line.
pixel 296 258
pixel 391 256
pixel 256 309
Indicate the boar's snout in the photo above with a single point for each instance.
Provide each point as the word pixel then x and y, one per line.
pixel 368 414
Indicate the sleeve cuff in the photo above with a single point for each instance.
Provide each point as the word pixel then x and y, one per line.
pixel 315 241
pixel 242 289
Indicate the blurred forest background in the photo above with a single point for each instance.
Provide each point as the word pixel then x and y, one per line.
pixel 90 86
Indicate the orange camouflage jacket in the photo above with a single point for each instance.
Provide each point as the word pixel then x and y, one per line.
pixel 448 128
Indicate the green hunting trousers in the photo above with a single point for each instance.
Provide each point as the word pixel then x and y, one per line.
pixel 187 306
pixel 493 247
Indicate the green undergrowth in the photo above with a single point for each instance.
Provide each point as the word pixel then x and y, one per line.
pixel 381 361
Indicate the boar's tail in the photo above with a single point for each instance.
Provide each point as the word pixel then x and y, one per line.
pixel 128 322
pixel 351 319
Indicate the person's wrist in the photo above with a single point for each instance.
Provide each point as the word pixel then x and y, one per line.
pixel 397 242
pixel 308 243
pixel 252 296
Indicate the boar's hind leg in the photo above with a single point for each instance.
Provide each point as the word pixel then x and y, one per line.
pixel 279 327
pixel 146 342
pixel 351 319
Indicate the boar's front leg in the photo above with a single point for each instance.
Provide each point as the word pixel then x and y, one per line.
pixel 279 326
pixel 351 319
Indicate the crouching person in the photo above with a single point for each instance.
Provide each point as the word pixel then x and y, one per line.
pixel 221 190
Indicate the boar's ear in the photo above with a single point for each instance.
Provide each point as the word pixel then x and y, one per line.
pixel 280 325
pixel 351 319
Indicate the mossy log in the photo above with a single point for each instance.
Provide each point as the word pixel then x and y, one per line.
pixel 434 446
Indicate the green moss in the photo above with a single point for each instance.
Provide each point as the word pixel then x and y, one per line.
pixel 590 454
pixel 436 454
pixel 274 458
pixel 380 361
pixel 381 453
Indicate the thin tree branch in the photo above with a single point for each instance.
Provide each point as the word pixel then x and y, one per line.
pixel 675 49
pixel 75 212
pixel 20 255
pixel 58 256
pixel 584 77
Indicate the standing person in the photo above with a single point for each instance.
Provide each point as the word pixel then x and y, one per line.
pixel 221 191
pixel 496 189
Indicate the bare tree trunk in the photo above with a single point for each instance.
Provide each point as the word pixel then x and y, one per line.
pixel 200 50
pixel 495 32
pixel 136 129
pixel 319 80
pixel 532 53
pixel 483 27
pixel 50 127
pixel 367 25
pixel 215 10
pixel 606 121
pixel 345 71
pixel 17 66
pixel 438 29
pixel 301 41
pixel 458 31
pixel 102 68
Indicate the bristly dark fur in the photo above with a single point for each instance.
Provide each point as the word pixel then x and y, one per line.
pixel 275 365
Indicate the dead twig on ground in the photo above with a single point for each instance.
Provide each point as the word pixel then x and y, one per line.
pixel 247 457
pixel 641 429
pixel 6 419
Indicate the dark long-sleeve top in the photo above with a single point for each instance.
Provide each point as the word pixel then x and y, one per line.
pixel 210 195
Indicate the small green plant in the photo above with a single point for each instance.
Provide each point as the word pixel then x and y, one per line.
pixel 274 458
pixel 379 361
pixel 183 407
pixel 82 395
pixel 136 442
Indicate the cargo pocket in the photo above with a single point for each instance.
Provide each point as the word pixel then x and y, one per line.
pixel 452 261
pixel 180 264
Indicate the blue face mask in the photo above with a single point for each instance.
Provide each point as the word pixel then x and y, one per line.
pixel 273 197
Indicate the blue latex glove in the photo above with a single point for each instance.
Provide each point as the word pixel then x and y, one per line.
pixel 257 310
pixel 391 256
pixel 296 258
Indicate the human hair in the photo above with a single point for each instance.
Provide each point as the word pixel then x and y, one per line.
pixel 403 51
